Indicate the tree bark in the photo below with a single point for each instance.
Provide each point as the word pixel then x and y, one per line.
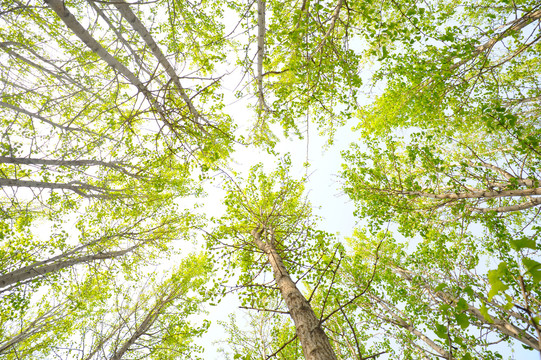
pixel 73 163
pixel 261 27
pixel 315 343
pixel 518 207
pixel 510 177
pixel 77 187
pixel 141 330
pixel 33 328
pixel 481 194
pixel 120 37
pixel 517 25
pixel 169 295
pixel 335 17
pixel 500 325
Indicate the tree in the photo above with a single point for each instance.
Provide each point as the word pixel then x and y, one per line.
pixel 437 299
pixel 129 321
pixel 300 64
pixel 266 333
pixel 267 222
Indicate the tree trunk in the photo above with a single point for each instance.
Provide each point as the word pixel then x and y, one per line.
pixel 71 22
pixel 32 271
pixel 481 194
pixel 117 165
pixel 83 189
pixel 315 343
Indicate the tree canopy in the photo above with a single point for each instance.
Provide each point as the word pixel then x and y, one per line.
pixel 128 208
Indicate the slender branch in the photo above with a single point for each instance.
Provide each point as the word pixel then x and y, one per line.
pixel 334 18
pixel 508 176
pixel 502 209
pixel 517 25
pixel 374 355
pixel 120 36
pixel 401 321
pixel 44 119
pixel 61 162
pixel 367 285
pixel 329 291
pixel 534 322
pixel 322 272
pixel 267 310
pixel 77 187
pixel 75 26
pixel 260 51
pixel 352 328
pixel 282 347
pixel 503 326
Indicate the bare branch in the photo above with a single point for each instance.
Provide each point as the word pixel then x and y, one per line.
pixel 510 208
pixel 265 310
pixel 77 187
pixel 72 163
pixel 334 18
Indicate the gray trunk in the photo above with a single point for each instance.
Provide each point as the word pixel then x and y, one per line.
pixel 41 269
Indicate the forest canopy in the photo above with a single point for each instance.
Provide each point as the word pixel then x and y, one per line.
pixel 132 211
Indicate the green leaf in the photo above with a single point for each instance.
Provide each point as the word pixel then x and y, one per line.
pixel 441 331
pixel 484 312
pixel 533 268
pixel 468 290
pixel 440 287
pixel 462 320
pixel 384 53
pixel 523 243
pixel 494 278
pixel 461 305
pixel 509 304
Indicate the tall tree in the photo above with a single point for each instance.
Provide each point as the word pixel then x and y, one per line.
pixel 300 63
pixel 267 222
pixel 436 297
pixel 126 320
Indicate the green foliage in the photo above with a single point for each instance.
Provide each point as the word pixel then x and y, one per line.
pixel 533 268
pixel 495 279
pixel 449 158
pixel 114 117
pixel 92 173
